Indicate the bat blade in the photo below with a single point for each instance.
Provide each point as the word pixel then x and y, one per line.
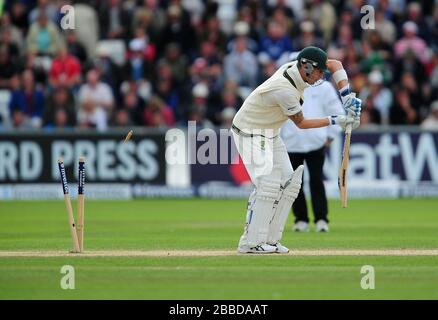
pixel 344 167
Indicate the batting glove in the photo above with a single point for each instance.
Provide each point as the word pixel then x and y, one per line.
pixel 351 104
pixel 343 121
pixel 356 122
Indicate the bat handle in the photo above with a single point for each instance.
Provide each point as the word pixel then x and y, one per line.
pixel 348 128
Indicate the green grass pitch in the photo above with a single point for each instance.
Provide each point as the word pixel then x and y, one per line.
pixel 202 225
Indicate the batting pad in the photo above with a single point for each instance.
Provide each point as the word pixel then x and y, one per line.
pixel 288 195
pixel 260 208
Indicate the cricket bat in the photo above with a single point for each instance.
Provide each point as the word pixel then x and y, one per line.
pixel 344 166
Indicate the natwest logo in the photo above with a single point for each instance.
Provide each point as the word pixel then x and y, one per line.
pixel 388 156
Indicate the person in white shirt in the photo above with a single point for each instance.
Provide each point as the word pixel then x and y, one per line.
pixel 309 146
pixel 379 96
pixel 96 101
pixel 255 130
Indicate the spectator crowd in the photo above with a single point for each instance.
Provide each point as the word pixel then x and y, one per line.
pixel 162 63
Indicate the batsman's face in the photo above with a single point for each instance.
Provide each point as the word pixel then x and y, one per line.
pixel 315 76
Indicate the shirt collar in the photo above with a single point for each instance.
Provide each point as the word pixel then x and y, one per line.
pixel 296 76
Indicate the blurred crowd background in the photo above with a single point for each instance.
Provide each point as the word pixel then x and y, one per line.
pixel 162 63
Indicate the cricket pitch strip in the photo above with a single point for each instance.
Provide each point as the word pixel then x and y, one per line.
pixel 214 253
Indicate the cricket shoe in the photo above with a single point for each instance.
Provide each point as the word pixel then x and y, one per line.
pixel 301 226
pixel 280 248
pixel 322 226
pixel 261 248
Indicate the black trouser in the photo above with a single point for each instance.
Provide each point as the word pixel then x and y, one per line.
pixel 315 162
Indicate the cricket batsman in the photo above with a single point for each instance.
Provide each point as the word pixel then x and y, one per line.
pixel 256 129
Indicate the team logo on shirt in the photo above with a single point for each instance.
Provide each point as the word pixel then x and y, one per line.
pixel 262 144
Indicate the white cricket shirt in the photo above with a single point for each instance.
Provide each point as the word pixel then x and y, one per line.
pixel 270 104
